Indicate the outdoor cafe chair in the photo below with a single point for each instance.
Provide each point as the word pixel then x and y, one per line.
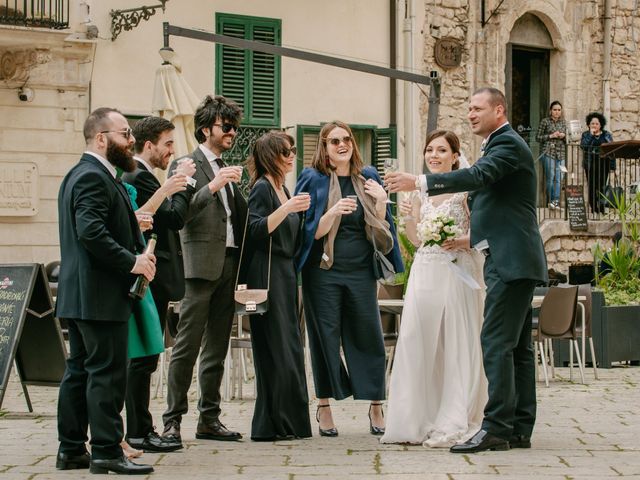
pixel 557 320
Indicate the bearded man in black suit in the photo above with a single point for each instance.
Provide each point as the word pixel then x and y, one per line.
pixel 154 148
pixel 502 185
pixel 99 238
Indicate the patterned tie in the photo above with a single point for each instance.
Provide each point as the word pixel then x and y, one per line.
pixel 482 147
pixel 232 206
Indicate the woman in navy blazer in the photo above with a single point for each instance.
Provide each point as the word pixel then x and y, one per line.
pixel 339 290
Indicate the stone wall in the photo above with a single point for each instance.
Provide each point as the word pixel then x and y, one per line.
pixel 43 132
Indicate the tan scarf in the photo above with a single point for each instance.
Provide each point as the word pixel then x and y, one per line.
pixel 375 228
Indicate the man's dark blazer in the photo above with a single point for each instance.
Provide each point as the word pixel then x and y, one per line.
pixel 168 219
pixel 99 238
pixel 503 187
pixel 204 236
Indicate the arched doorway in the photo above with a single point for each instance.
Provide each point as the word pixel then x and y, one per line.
pixel 527 76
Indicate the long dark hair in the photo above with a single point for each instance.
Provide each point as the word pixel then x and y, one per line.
pixel 451 138
pixel 265 158
pixel 320 159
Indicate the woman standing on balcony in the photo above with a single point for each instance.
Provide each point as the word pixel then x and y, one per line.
pixel 597 169
pixel 348 212
pixel 552 135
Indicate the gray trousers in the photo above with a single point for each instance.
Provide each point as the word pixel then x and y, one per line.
pixel 206 317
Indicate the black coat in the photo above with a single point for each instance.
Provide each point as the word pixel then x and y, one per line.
pixel 168 219
pixel 503 207
pixel 99 237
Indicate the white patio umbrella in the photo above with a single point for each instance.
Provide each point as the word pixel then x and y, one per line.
pixel 176 101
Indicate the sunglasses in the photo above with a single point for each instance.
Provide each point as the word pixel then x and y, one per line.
pixel 288 151
pixel 226 127
pixel 125 133
pixel 335 141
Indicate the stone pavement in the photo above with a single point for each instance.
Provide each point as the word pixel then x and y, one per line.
pixel 583 431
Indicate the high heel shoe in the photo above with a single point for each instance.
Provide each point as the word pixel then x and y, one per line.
pixel 372 428
pixel 329 432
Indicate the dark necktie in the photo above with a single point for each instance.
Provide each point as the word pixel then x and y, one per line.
pixel 232 207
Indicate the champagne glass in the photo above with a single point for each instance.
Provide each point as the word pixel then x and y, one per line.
pixel 390 165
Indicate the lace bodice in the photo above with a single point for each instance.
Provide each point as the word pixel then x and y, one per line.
pixel 453 207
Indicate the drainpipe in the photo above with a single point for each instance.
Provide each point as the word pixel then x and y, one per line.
pixel 393 61
pixel 409 97
pixel 606 69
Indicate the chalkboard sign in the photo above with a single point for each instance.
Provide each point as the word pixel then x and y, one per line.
pixel 576 209
pixel 29 332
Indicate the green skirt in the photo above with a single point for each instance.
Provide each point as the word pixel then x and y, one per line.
pixel 145 334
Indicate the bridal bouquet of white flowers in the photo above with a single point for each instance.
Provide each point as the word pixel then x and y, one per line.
pixel 435 228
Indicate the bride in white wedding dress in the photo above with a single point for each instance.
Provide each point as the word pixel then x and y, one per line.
pixel 438 388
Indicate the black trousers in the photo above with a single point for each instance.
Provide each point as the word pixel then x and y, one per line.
pixel 139 419
pixel 508 357
pixel 206 317
pixel 93 388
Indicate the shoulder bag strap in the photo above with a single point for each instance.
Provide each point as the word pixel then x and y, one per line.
pixel 244 237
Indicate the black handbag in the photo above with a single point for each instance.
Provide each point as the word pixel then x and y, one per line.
pixel 251 301
pixel 382 267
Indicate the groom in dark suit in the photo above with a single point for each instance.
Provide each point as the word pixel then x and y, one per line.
pixel 504 227
pixel 99 238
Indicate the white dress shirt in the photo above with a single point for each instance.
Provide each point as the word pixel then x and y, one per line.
pixel 211 158
pixel 105 162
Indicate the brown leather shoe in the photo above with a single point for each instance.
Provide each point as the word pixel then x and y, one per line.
pixel 215 431
pixel 171 432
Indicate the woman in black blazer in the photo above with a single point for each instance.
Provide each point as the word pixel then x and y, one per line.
pixel 282 403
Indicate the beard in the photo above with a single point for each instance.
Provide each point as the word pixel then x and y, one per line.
pixel 121 156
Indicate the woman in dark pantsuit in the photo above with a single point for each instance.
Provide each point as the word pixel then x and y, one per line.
pixel 348 211
pixel 282 403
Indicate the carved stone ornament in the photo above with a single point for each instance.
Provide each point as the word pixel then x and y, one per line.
pixel 15 65
pixel 448 52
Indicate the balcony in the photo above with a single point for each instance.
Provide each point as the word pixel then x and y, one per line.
pixel 51 14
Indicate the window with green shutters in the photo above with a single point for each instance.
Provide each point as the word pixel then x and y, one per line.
pixel 250 78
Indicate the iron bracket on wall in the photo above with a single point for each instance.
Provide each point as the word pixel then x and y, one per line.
pixel 130 18
pixel 493 12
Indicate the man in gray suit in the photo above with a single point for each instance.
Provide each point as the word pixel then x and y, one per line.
pixel 505 228
pixel 210 239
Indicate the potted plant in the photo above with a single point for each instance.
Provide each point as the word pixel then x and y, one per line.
pixel 616 300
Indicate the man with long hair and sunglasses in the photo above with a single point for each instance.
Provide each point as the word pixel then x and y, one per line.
pixel 211 239
pixel 99 239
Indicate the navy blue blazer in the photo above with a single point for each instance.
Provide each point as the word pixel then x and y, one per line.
pixel 317 185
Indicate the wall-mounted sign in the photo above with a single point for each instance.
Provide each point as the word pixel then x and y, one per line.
pixel 18 189
pixel 448 52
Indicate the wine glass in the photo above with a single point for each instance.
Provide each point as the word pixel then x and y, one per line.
pixel 390 165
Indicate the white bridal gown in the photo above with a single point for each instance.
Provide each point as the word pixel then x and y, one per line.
pixel 438 388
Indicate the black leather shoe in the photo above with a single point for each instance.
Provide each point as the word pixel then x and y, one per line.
pixel 481 442
pixel 66 461
pixel 155 443
pixel 120 465
pixel 215 431
pixel 372 428
pixel 171 432
pixel 325 432
pixel 520 441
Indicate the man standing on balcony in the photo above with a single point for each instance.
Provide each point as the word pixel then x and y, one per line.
pixel 210 238
pixel 502 184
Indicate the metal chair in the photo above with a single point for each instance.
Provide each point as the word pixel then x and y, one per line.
pixel 557 320
pixel 235 365
pixel 585 291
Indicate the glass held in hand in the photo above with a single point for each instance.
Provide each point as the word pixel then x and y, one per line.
pixel 411 198
pixel 390 165
pixel 354 198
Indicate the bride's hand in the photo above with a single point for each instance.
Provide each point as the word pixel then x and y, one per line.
pixel 406 207
pixel 457 243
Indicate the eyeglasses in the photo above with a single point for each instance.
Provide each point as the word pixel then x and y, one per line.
pixel 126 133
pixel 288 151
pixel 226 127
pixel 335 141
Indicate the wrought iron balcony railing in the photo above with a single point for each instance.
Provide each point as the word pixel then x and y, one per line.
pixel 52 14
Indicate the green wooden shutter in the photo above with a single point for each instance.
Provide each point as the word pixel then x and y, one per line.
pixel 307 142
pixel 385 146
pixel 250 78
